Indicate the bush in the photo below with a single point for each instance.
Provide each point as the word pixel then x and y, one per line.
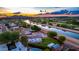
pixel 36 45
pixel 47 49
pixel 24 40
pixel 58 25
pixel 70 26
pixel 51 34
pixel 44 44
pixel 23 24
pixel 62 39
pixel 43 22
pixel 49 40
pixel 35 28
pixel 50 24
pixel 6 37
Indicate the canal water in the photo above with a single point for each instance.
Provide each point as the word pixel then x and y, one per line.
pixel 66 33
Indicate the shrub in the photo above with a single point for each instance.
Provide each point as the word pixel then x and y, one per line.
pixel 51 34
pixel 62 39
pixel 41 46
pixel 50 24
pixel 58 25
pixel 24 40
pixel 6 37
pixel 70 26
pixel 48 40
pixel 47 49
pixel 43 22
pixel 35 28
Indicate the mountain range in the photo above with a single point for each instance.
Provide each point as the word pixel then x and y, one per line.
pixel 72 10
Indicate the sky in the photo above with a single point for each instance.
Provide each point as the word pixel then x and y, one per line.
pixel 34 10
pixel 29 10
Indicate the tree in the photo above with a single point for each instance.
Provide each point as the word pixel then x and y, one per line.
pixel 24 40
pixel 43 22
pixel 51 34
pixel 22 24
pixel 35 28
pixel 14 35
pixel 6 37
pixel 62 39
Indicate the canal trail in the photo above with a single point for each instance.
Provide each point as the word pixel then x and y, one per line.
pixel 67 29
pixel 72 41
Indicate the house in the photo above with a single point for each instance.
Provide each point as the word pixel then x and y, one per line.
pixel 3 47
pixel 19 47
pixel 13 26
pixel 25 31
pixel 34 40
pixel 39 35
pixel 0 30
pixel 55 46
pixel 3 28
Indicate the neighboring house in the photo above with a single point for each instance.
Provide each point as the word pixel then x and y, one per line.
pixel 34 40
pixel 39 35
pixel 0 30
pixel 15 28
pixel 53 45
pixel 3 28
pixel 25 31
pixel 12 24
pixel 3 47
pixel 19 47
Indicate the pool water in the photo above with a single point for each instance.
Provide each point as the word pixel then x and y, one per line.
pixel 35 49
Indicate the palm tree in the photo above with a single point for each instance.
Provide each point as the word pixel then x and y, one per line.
pixel 30 19
pixel 41 11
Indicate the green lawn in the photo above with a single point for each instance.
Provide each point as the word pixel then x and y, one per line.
pixel 44 43
pixel 49 40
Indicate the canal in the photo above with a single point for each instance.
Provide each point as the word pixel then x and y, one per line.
pixel 62 32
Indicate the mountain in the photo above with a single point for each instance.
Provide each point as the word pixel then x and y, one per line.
pixel 67 11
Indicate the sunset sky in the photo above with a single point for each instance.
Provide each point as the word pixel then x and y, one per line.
pixel 29 10
pixel 26 11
